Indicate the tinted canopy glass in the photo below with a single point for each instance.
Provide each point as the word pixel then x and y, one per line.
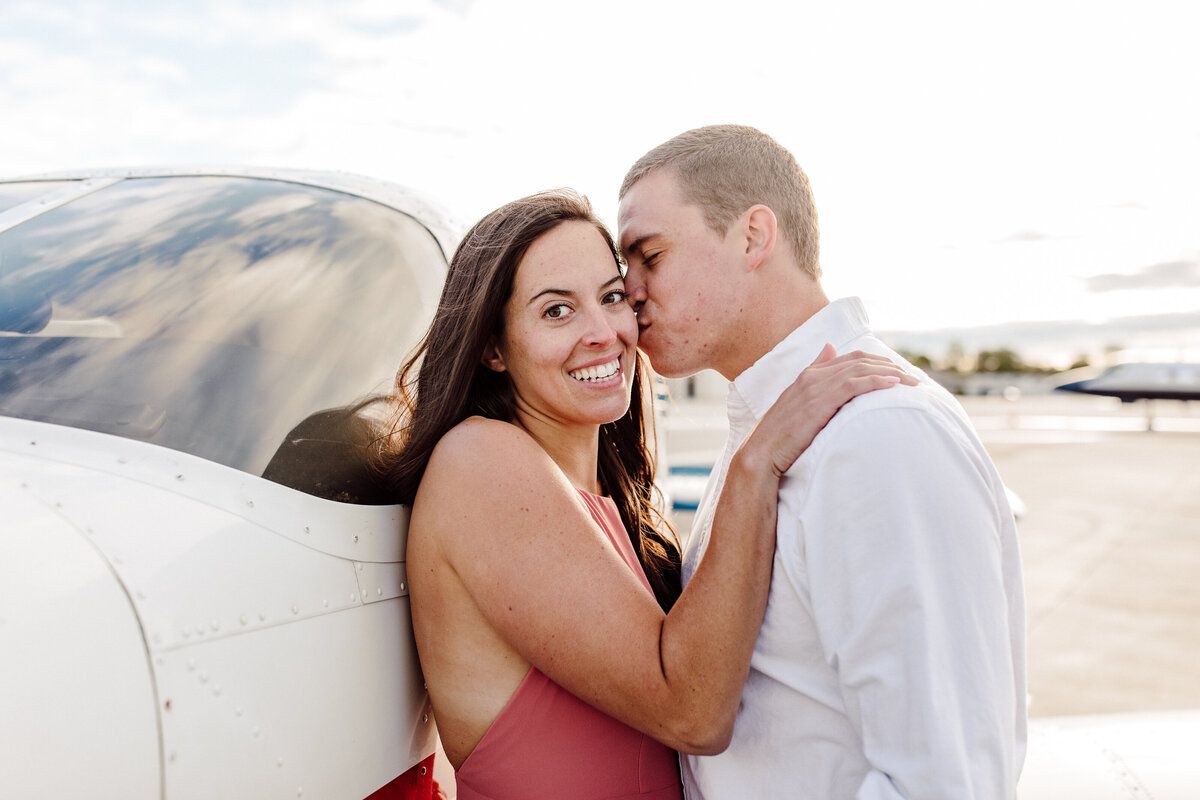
pixel 231 318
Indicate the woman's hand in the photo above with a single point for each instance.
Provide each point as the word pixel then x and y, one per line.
pixel 831 381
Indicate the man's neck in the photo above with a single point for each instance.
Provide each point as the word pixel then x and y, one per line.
pixel 777 320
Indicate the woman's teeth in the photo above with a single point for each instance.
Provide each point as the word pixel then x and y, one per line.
pixel 597 373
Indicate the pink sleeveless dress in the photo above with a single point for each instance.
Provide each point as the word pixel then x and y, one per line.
pixel 547 743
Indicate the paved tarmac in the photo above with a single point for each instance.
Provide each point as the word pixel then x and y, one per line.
pixel 1110 544
pixel 1110 539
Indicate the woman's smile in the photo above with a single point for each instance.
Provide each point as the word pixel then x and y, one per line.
pixel 598 374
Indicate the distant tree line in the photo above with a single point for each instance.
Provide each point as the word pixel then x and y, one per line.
pixel 1002 360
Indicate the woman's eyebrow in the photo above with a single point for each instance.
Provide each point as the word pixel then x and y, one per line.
pixel 568 293
pixel 563 292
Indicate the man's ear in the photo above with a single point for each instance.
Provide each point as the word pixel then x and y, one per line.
pixel 761 230
pixel 491 357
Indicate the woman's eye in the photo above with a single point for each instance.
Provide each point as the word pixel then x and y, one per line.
pixel 557 311
pixel 615 296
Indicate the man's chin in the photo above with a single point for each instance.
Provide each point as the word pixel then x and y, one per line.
pixel 664 367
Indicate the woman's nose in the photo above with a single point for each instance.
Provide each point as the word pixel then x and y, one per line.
pixel 600 328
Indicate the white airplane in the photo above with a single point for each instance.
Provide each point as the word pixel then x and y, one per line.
pixel 200 594
pixel 1141 381
pixel 1130 382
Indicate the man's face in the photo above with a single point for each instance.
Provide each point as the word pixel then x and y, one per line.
pixel 681 278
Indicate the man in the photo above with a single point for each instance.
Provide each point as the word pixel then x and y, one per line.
pixel 890 663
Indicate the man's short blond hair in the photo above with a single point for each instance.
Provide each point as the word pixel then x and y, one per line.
pixel 725 169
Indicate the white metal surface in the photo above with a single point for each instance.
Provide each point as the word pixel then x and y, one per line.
pixel 328 707
pixel 272 626
pixel 1136 756
pixel 77 705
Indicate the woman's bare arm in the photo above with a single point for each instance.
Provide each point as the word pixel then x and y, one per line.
pixel 542 574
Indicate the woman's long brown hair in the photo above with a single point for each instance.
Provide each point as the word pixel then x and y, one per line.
pixel 444 381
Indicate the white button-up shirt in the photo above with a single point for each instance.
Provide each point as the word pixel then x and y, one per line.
pixel 891 662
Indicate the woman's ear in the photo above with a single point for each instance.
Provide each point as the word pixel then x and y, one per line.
pixel 491 357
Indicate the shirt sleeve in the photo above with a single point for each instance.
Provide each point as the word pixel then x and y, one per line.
pixel 901 536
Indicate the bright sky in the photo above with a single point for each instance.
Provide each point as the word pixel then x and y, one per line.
pixel 975 163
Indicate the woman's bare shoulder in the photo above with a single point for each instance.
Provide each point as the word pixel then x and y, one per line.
pixel 480 444
pixel 487 462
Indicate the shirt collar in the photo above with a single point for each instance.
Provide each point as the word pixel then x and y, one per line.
pixel 761 384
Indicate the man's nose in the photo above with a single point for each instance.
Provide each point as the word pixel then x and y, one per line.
pixel 635 289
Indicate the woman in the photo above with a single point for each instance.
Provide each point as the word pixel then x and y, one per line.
pixel 534 559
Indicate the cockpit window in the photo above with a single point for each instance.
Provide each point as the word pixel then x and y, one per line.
pixel 16 193
pixel 240 320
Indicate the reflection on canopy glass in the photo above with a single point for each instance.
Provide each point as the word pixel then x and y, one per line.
pixel 212 315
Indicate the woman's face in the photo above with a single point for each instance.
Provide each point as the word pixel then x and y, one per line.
pixel 569 332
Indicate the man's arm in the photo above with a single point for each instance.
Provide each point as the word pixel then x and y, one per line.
pixel 904 555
